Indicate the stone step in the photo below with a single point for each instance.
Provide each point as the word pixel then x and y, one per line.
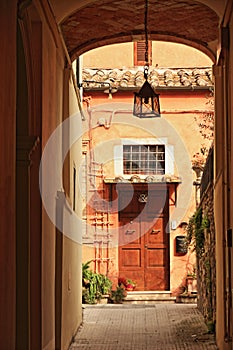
pixel 187 299
pixel 149 297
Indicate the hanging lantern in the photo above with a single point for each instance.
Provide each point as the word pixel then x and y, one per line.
pixel 146 101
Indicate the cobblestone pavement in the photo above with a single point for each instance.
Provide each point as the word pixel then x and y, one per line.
pixel 143 327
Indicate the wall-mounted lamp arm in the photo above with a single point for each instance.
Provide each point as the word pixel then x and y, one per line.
pixel 109 91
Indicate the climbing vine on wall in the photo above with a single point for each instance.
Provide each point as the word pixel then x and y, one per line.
pixel 195 231
pixel 205 122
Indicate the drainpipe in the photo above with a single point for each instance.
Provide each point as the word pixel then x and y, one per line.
pixel 79 65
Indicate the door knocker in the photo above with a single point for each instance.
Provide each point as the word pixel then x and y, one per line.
pixel 142 198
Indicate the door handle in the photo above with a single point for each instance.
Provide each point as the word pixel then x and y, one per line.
pixel 146 246
pixel 155 232
pixel 129 232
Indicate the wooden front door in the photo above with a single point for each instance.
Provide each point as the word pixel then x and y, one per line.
pixel 143 238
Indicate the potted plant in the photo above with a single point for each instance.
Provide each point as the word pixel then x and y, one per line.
pixel 118 295
pixel 130 286
pixel 122 282
pixel 191 280
pixel 105 285
pixel 96 287
pixel 126 283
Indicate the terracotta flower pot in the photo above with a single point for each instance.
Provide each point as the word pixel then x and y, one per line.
pixel 129 288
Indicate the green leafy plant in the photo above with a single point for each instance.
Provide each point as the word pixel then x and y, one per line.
pixel 126 282
pixel 105 285
pixel 195 231
pixel 131 283
pixel 192 273
pixel 94 285
pixel 118 295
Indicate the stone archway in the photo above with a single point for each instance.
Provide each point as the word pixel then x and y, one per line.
pixel 114 23
pixel 28 202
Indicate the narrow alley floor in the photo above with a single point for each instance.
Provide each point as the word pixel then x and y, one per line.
pixel 143 327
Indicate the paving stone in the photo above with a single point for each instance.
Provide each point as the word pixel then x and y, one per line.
pixel 143 327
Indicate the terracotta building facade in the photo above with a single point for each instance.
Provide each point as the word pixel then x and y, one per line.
pixel 140 188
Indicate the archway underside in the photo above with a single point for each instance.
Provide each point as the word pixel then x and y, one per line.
pixel 103 22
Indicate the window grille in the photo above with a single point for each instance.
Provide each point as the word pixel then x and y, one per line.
pixel 144 159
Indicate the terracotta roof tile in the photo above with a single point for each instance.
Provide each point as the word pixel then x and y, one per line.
pixel 158 77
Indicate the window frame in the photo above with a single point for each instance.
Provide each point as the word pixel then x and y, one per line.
pixel 144 159
pixel 139 47
pixel 118 155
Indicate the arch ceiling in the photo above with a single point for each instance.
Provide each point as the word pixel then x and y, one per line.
pixel 102 22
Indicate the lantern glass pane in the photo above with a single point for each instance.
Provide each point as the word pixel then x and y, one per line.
pixel 146 107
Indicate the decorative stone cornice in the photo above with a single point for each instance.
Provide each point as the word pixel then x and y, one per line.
pixel 148 179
